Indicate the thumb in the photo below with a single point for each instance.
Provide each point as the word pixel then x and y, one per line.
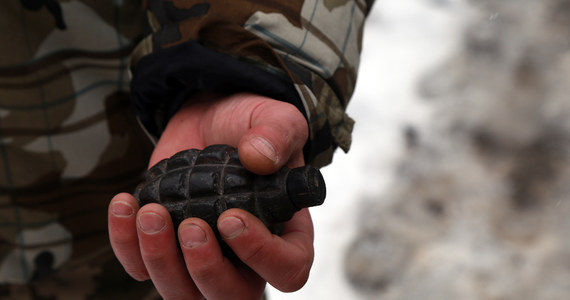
pixel 277 134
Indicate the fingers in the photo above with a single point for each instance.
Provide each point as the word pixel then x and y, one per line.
pixel 123 235
pixel 159 251
pixel 283 261
pixel 146 246
pixel 278 131
pixel 215 275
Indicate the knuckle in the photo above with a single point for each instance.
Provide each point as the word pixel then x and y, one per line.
pixel 122 242
pixel 203 273
pixel 153 259
pixel 253 253
pixel 295 280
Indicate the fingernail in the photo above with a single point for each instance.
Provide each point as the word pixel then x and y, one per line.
pixel 151 223
pixel 231 227
pixel 122 209
pixel 264 147
pixel 192 236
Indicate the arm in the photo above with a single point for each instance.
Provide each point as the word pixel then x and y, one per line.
pixel 302 52
pixel 308 66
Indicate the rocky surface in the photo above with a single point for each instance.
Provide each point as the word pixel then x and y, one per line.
pixel 479 207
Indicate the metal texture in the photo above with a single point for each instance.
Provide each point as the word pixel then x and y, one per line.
pixel 205 183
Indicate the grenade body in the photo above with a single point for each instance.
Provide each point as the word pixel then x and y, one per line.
pixel 205 183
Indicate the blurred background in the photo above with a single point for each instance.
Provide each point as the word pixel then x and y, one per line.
pixel 457 184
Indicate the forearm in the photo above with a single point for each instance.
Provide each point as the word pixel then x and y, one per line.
pixel 302 52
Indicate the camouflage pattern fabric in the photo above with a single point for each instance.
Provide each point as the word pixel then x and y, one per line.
pixel 69 140
pixel 316 43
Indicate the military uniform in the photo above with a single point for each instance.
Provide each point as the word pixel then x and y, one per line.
pixel 71 73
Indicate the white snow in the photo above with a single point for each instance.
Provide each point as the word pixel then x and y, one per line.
pixel 402 41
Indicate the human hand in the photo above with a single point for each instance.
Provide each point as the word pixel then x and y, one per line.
pixel 268 134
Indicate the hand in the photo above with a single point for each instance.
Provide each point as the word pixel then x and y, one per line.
pixel 268 134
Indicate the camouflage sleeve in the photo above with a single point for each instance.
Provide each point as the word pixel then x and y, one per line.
pixel 303 52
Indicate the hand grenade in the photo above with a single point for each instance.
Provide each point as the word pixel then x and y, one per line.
pixel 205 183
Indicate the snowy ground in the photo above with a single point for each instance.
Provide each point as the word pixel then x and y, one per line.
pixel 403 40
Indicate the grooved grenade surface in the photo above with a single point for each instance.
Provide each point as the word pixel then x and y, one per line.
pixel 205 183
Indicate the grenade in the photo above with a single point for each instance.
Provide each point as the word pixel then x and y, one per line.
pixel 205 183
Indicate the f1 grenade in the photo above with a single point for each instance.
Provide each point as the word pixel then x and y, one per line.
pixel 205 183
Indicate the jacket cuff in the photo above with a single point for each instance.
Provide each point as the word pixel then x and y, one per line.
pixel 163 80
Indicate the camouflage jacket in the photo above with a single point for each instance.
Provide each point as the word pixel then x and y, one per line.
pixel 69 137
